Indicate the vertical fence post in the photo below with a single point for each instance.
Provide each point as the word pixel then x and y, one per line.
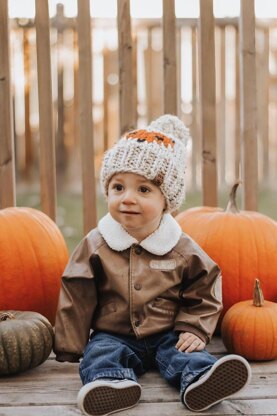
pixel 208 102
pixel 265 104
pixel 125 59
pixel 196 145
pixel 237 109
pixel 7 168
pixel 85 114
pixel 248 105
pixel 29 151
pixel 60 139
pixel 46 129
pixel 106 71
pixel 169 58
pixel 153 78
pixel 222 109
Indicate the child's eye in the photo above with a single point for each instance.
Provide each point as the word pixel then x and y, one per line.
pixel 117 187
pixel 144 189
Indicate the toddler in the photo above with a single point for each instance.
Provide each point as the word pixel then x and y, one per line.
pixel 139 293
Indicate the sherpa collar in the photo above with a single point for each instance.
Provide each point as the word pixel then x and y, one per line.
pixel 159 242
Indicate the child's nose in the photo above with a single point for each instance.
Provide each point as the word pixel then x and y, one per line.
pixel 129 197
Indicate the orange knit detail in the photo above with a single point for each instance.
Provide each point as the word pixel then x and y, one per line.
pixel 150 136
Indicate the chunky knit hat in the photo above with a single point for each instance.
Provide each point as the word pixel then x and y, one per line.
pixel 157 152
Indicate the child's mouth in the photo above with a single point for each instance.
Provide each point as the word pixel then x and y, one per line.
pixel 129 212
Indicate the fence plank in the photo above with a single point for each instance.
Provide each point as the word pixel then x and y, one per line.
pixel 169 58
pixel 46 129
pixel 222 109
pixel 237 110
pixel 85 115
pixel 153 79
pixel 208 102
pixel 265 101
pixel 196 145
pixel 7 170
pixel 125 58
pixel 29 151
pixel 106 71
pixel 61 155
pixel 248 105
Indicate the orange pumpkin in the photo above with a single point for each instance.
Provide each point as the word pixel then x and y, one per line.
pixel 33 255
pixel 242 243
pixel 249 328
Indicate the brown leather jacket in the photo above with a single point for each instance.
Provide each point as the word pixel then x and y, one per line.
pixel 114 284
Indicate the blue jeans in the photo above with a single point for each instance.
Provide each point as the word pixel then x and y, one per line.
pixel 116 356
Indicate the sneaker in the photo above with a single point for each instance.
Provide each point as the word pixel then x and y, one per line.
pixel 104 396
pixel 227 376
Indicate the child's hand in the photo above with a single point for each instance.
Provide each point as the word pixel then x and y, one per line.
pixel 189 342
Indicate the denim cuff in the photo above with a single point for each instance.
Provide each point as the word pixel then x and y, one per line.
pixel 126 373
pixel 192 377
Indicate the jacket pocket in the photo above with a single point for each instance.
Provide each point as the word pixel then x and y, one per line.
pixel 165 306
pixel 106 309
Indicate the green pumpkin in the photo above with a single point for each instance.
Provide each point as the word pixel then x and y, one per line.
pixel 26 341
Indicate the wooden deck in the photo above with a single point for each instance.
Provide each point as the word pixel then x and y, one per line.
pixel 51 390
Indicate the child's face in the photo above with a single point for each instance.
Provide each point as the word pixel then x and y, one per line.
pixel 136 203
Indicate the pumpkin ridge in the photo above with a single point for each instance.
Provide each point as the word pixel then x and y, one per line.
pixel 272 320
pixel 226 224
pixel 3 354
pixel 255 331
pixel 26 226
pixel 259 244
pixel 264 254
pixel 44 331
pixel 34 361
pixel 13 229
pixel 267 323
pixel 230 344
pixel 24 356
pixel 40 262
pixel 244 318
pixel 239 265
pixel 10 333
pixel 9 228
pixel 270 295
pixel 49 232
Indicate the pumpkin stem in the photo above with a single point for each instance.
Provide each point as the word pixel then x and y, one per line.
pixel 232 204
pixel 258 297
pixel 6 315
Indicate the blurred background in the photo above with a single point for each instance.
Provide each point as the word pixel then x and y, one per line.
pixel 147 43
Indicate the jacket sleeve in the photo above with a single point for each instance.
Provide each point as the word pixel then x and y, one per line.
pixel 77 302
pixel 200 297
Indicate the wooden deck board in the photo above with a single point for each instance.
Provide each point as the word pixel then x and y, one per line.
pixel 51 390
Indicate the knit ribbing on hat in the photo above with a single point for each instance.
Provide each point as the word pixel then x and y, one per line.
pixel 164 165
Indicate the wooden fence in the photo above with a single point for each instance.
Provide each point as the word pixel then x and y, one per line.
pixel 245 126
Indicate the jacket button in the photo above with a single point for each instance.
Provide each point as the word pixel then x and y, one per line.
pixel 137 286
pixel 137 323
pixel 138 250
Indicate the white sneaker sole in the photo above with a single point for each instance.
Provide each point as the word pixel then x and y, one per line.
pixel 100 397
pixel 227 376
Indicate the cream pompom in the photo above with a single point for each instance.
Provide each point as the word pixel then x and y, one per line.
pixel 171 126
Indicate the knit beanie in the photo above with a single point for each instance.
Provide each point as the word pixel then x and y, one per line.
pixel 157 152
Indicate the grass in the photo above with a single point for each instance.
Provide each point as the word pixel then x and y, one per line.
pixel 70 212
